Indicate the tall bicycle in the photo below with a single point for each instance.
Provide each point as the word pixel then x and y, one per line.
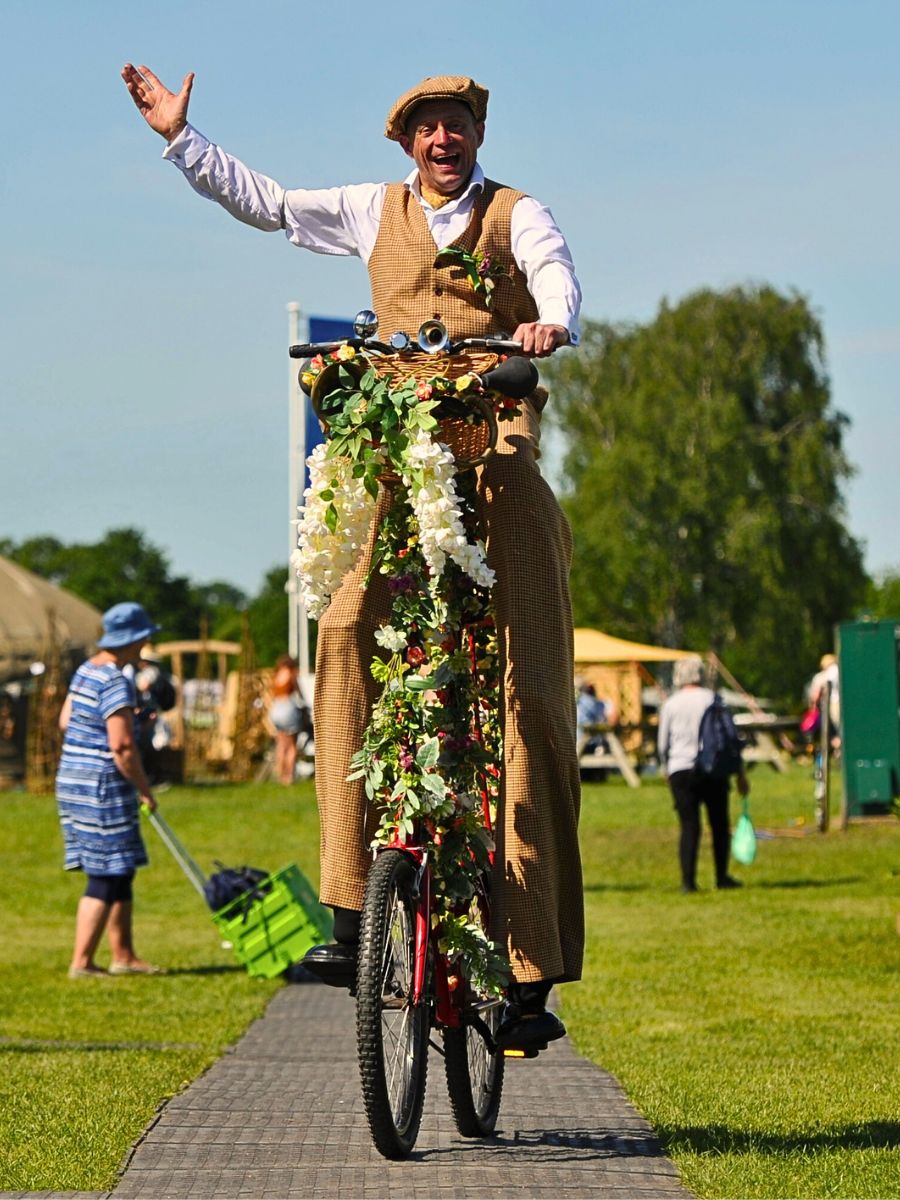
pixel 413 976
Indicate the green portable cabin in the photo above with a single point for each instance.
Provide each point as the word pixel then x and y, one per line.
pixel 869 665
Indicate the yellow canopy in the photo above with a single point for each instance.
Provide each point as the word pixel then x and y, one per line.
pixel 592 646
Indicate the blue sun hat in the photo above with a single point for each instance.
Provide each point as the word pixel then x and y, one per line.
pixel 125 623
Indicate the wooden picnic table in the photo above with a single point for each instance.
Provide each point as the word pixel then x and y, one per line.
pixel 765 730
pixel 613 758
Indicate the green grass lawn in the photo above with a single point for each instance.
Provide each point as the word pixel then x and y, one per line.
pixel 757 1029
pixel 85 1063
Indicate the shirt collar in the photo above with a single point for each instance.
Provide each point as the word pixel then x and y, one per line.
pixel 475 184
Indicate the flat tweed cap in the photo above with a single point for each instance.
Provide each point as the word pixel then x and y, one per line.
pixel 438 87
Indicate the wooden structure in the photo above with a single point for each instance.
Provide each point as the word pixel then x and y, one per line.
pixel 250 734
pixel 44 737
pixel 617 669
pixel 198 732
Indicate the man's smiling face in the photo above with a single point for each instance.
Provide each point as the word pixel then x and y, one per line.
pixel 443 137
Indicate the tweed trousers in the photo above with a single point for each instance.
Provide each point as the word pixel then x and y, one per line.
pixel 538 909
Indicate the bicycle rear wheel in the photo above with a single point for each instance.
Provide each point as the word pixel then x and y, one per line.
pixel 391 1031
pixel 474 1071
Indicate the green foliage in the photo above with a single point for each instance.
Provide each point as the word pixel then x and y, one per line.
pixel 125 565
pixel 223 604
pixel 703 477
pixel 267 613
pixel 122 565
pixel 883 596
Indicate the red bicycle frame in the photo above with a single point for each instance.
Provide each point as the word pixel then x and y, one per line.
pixel 447 1008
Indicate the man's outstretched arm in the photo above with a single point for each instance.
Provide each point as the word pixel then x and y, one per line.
pixel 164 111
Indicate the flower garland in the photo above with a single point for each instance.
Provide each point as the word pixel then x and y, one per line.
pixel 430 757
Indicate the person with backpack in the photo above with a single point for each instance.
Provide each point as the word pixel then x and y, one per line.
pixel 699 750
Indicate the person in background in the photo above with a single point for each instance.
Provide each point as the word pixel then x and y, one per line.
pixel 155 694
pixel 590 711
pixel 679 746
pixel 288 714
pixel 100 785
pixel 828 676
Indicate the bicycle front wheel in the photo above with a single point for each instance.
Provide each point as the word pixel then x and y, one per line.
pixel 391 1031
pixel 474 1075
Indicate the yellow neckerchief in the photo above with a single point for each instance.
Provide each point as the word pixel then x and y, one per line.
pixel 435 199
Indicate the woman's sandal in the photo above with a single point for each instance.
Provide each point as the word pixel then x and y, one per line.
pixel 135 969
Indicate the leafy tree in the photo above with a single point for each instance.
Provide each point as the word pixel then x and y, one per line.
pixel 122 565
pixel 268 615
pixel 223 604
pixel 703 477
pixel 883 596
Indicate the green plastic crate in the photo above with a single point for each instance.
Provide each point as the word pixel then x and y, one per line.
pixel 276 930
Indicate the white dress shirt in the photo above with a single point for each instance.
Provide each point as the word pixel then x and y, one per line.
pixel 345 220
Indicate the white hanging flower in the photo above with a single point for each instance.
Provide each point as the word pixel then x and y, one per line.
pixel 436 504
pixel 391 639
pixel 323 558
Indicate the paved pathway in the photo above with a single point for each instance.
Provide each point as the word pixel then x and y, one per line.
pixel 280 1117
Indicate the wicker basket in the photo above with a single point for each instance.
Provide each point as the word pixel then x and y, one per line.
pixel 423 367
pixel 470 441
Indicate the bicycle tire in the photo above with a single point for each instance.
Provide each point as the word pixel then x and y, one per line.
pixel 474 1072
pixel 391 1032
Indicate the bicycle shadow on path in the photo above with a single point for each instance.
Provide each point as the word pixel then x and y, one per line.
pixel 280 1115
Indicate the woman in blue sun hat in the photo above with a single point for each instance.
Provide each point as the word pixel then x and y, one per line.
pixel 100 786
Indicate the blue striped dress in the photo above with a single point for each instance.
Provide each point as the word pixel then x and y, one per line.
pixel 98 807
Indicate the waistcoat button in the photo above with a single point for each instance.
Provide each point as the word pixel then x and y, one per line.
pixel 439 291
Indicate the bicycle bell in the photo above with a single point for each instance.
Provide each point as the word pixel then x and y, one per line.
pixel 399 341
pixel 433 337
pixel 365 323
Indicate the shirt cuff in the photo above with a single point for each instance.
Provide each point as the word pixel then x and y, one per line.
pixel 187 148
pixel 560 315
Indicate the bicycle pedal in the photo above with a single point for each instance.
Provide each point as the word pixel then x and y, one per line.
pixel 531 1052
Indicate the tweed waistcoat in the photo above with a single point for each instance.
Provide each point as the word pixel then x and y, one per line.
pixel 408 287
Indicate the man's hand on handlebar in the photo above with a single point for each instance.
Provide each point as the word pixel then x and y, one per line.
pixel 540 340
pixel 164 111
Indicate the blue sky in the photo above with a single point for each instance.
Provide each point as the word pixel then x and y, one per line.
pixel 679 143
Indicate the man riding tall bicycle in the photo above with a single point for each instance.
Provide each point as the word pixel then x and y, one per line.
pixel 510 271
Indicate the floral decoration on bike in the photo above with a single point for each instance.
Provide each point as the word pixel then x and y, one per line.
pixel 432 748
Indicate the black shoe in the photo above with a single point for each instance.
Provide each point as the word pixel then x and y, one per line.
pixel 728 882
pixel 334 964
pixel 528 1031
pixel 687 888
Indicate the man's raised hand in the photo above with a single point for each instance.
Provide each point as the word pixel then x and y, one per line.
pixel 164 111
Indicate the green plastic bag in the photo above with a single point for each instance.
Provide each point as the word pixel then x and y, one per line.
pixel 743 840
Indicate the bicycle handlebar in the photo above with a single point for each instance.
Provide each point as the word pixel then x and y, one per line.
pixel 492 345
